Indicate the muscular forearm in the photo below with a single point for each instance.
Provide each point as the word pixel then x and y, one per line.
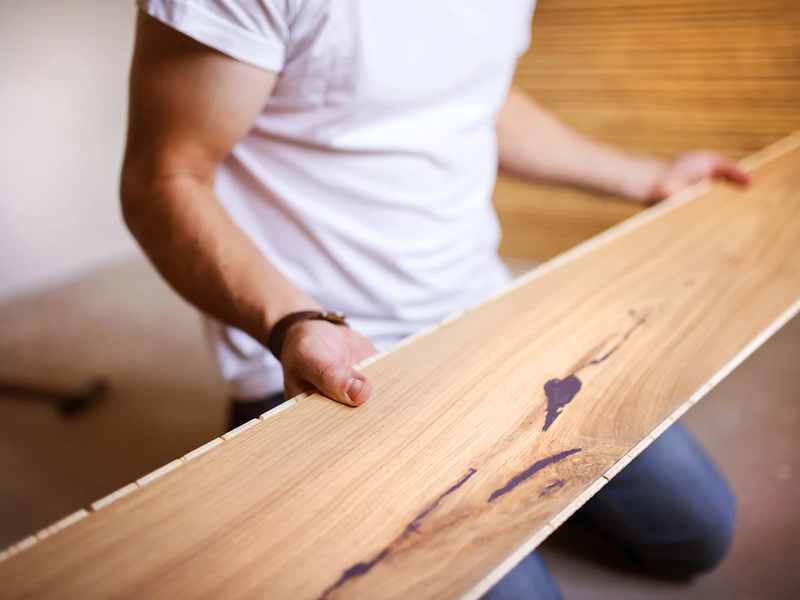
pixel 204 256
pixel 189 107
pixel 533 144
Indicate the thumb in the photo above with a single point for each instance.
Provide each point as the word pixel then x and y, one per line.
pixel 339 382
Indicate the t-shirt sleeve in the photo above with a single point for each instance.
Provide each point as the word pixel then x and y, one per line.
pixel 252 31
pixel 525 33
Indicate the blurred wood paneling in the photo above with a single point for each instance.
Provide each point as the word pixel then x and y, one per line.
pixel 656 77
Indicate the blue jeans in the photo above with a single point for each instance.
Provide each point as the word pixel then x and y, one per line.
pixel 670 511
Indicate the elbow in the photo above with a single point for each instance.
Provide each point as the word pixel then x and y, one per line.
pixel 151 195
pixel 127 202
pixel 131 201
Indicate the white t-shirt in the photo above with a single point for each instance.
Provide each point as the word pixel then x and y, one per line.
pixel 367 177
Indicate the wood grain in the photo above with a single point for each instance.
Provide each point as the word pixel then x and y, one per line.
pixel 654 77
pixel 453 470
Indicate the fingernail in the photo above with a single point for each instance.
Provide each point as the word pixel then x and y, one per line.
pixel 354 388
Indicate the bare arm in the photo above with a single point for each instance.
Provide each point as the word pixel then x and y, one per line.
pixel 535 145
pixel 189 105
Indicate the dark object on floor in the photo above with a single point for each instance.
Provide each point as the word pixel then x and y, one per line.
pixel 70 403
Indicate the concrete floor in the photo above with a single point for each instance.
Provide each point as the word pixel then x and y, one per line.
pixel 166 399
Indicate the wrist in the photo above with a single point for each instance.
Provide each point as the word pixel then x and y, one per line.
pixel 277 311
pixel 294 322
pixel 642 180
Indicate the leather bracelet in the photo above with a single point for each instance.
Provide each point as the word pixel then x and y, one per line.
pixel 278 333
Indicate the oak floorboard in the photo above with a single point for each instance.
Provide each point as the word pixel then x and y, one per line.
pixel 482 436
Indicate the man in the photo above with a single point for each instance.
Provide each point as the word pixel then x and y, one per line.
pixel 290 157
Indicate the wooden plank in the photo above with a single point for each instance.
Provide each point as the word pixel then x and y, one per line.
pixel 114 496
pixel 655 77
pixel 469 454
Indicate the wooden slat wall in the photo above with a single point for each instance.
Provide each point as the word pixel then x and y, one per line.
pixel 651 76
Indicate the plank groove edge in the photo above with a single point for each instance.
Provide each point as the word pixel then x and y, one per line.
pixel 114 496
pixel 62 524
pixel 203 449
pixel 20 546
pixel 281 407
pixel 150 477
pixel 241 429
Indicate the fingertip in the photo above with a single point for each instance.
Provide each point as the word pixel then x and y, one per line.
pixel 734 172
pixel 740 176
pixel 358 389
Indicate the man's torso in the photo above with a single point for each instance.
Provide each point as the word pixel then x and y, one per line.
pixel 367 178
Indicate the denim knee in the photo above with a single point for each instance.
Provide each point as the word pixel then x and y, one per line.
pixel 670 510
pixel 709 541
pixel 703 539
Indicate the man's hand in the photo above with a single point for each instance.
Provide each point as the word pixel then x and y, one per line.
pixel 691 167
pixel 319 355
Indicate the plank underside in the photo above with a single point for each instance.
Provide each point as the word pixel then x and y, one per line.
pixel 481 437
